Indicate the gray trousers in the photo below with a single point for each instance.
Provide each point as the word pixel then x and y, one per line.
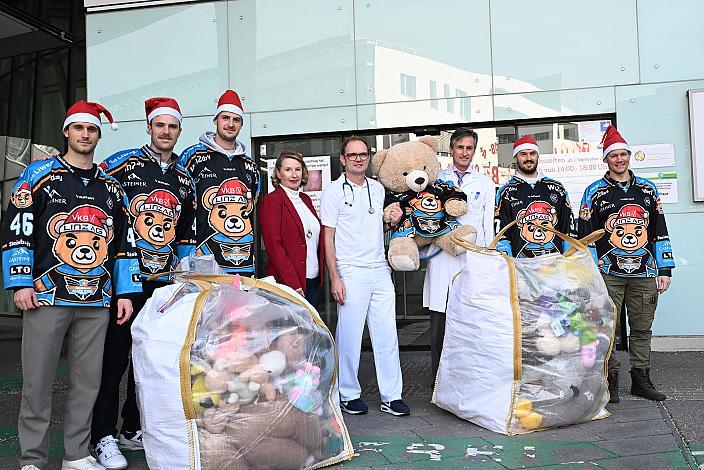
pixel 43 332
pixel 641 296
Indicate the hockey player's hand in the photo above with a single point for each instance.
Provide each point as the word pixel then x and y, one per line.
pixel 26 299
pixel 124 310
pixel 663 283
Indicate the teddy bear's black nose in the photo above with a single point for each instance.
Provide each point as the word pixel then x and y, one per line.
pixel 84 250
pixel 420 180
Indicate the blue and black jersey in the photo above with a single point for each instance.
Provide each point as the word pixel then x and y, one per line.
pixel 227 186
pixel 67 235
pixel 424 212
pixel 162 204
pixel 531 206
pixel 636 243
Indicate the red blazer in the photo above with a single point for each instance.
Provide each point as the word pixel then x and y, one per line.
pixel 284 240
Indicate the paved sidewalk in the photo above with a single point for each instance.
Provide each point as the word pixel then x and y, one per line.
pixel 639 435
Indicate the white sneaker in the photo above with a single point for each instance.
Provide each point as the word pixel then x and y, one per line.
pixel 131 440
pixel 109 454
pixel 86 463
pixel 30 467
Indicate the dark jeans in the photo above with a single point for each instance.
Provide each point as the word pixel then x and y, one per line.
pixel 313 291
pixel 118 342
pixel 437 338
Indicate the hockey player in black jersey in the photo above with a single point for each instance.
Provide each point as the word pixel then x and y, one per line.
pixel 161 198
pixel 634 257
pixel 67 255
pixel 227 184
pixel 533 201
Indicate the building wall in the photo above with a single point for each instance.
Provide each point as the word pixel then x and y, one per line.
pixel 310 66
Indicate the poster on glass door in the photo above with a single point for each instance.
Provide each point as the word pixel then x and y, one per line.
pixel 318 177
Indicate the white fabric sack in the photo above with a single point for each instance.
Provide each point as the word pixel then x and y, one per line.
pixel 526 342
pixel 158 334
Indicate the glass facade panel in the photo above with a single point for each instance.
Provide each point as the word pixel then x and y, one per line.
pixel 294 56
pixel 554 103
pixel 191 65
pixel 666 38
pixel 537 49
pixel 390 39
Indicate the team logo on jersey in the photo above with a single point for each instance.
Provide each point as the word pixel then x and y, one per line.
pixel 22 197
pixel 82 288
pixel 429 225
pixel 530 221
pixel 553 198
pixel 235 254
pixel 81 240
pixel 230 205
pixel 628 234
pixel 156 215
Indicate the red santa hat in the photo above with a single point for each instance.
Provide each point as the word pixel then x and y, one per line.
pixel 154 107
pixel 538 210
pixel 612 140
pixel 631 214
pixel 87 111
pixel 23 187
pixel 232 190
pixel 229 101
pixel 525 143
pixel 87 219
pixel 163 202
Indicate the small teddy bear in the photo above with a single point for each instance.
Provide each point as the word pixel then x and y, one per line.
pixel 409 172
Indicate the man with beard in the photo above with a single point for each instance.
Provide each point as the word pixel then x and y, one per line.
pixel 161 202
pixel 634 257
pixel 227 184
pixel 533 201
pixel 75 219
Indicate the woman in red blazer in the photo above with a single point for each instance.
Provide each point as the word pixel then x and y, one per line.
pixel 291 229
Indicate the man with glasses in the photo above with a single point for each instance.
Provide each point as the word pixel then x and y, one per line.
pixel 634 256
pixel 351 211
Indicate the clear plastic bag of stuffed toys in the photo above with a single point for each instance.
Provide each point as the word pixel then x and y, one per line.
pixel 257 380
pixel 567 325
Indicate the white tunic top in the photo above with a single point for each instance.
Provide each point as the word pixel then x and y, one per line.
pixel 359 234
pixel 481 195
pixel 311 227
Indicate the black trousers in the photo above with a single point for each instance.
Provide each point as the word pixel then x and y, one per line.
pixel 437 337
pixel 118 342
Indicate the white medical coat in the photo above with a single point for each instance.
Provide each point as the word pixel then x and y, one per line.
pixel 481 195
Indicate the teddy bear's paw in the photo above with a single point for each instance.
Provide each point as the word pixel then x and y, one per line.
pixel 403 263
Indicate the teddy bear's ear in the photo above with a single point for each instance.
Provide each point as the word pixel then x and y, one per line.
pixel 430 141
pixel 378 160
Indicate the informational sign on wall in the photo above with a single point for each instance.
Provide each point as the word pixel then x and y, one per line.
pixel 318 177
pixel 696 133
pixel 651 156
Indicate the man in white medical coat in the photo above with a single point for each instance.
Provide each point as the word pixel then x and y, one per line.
pixel 442 267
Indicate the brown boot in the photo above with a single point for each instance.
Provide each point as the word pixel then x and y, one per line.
pixel 613 386
pixel 641 386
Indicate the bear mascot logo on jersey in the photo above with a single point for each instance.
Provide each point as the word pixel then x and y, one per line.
pixel 81 240
pixel 22 197
pixel 628 234
pixel 230 205
pixel 530 220
pixel 155 218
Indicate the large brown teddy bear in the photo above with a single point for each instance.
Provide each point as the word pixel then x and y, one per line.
pixel 409 172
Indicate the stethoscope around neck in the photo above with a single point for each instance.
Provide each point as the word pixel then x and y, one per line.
pixel 344 193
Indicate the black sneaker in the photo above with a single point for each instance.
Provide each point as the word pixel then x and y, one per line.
pixel 354 407
pixel 396 408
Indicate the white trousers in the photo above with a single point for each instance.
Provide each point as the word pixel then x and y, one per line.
pixel 370 297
